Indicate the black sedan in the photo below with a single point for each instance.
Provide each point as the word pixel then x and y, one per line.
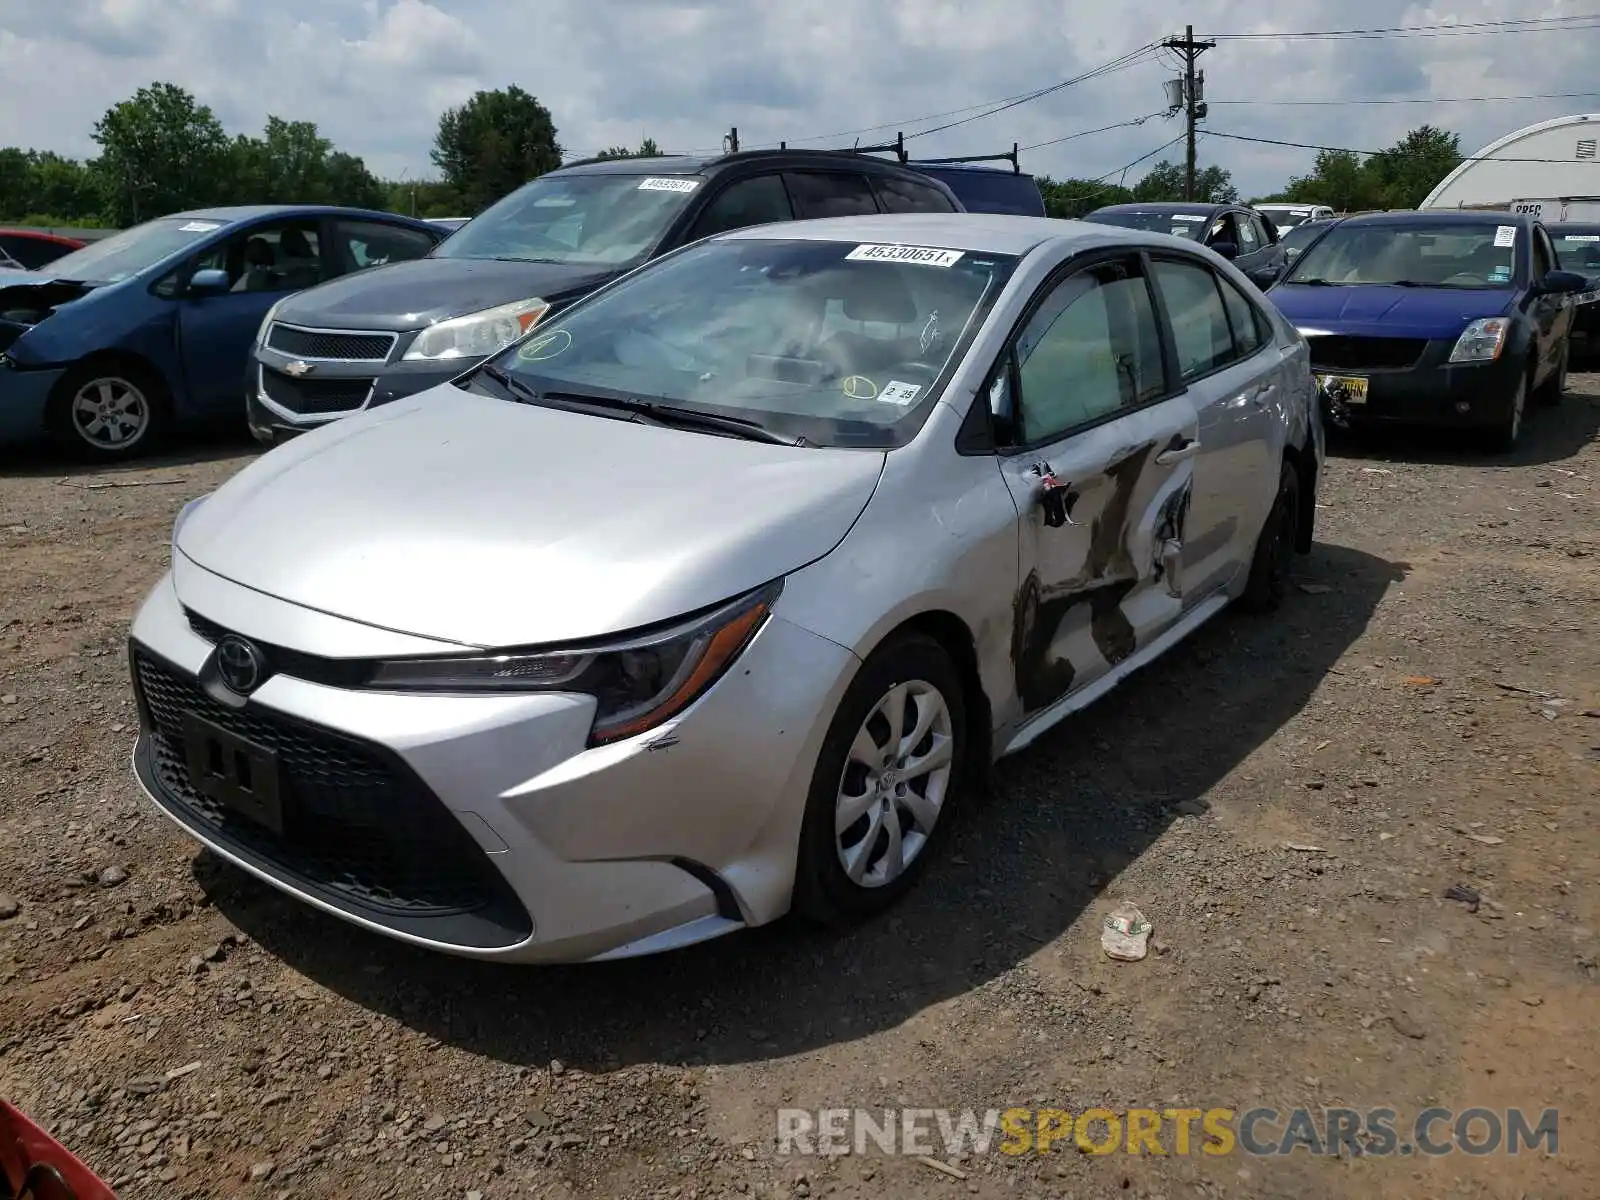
pixel 1234 231
pixel 1578 249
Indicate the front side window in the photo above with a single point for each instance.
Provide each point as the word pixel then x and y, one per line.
pixel 1413 254
pixel 760 200
pixel 279 257
pixel 363 244
pixel 1200 326
pixel 1092 349
pixel 1248 241
pixel 830 194
pixel 599 220
pixel 837 342
pixel 124 254
pixel 907 195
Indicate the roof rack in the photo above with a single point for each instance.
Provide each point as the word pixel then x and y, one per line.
pixel 896 147
pixel 1011 156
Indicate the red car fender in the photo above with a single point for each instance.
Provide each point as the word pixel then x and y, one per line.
pixel 31 1159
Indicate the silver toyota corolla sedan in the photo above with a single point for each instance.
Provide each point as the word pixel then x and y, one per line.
pixel 715 596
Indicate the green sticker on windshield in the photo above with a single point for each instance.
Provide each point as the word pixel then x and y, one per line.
pixel 546 345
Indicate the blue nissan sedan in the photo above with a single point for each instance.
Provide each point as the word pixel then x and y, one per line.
pixel 110 348
pixel 1434 318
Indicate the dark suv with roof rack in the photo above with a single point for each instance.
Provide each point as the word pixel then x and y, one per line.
pixel 370 338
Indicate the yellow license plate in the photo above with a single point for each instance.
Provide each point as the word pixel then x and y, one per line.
pixel 1352 389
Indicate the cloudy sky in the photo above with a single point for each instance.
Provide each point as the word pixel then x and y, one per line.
pixel 375 74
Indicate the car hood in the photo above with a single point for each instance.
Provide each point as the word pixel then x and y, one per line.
pixel 463 518
pixel 416 294
pixel 1389 311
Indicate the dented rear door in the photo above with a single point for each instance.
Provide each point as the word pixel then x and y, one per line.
pixel 1100 463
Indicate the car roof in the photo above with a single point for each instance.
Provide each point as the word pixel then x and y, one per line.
pixel 979 233
pixel 1560 227
pixel 699 164
pixel 40 234
pixel 230 213
pixel 1438 216
pixel 1168 206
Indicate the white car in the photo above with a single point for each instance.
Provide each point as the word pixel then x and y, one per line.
pixel 717 595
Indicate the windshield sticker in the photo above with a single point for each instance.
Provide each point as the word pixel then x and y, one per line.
pixel 859 387
pixel 895 392
pixel 199 226
pixel 1581 237
pixel 1188 217
pixel 1500 275
pixel 668 185
pixel 545 346
pixel 1181 231
pixel 1505 235
pixel 555 202
pixel 926 256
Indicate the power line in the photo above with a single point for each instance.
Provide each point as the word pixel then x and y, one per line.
pixel 1466 158
pixel 1413 100
pixel 1100 129
pixel 1101 191
pixel 1458 29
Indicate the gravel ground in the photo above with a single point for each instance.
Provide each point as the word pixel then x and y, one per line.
pixel 1421 715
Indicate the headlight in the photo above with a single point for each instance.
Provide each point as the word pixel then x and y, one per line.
pixel 637 683
pixel 266 322
pixel 477 335
pixel 1481 341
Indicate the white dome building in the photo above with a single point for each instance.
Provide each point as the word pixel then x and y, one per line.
pixel 1565 154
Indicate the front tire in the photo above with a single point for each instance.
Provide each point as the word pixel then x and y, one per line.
pixel 1273 560
pixel 1504 437
pixel 890 774
pixel 108 411
pixel 1551 391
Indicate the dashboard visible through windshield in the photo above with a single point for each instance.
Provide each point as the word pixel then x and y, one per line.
pixel 1414 255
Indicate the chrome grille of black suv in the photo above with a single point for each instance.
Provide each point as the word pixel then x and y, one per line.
pixel 330 344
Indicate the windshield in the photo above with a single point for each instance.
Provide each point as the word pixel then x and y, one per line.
pixel 585 220
pixel 1578 249
pixel 831 341
pixel 115 258
pixel 1453 256
pixel 1297 237
pixel 1184 225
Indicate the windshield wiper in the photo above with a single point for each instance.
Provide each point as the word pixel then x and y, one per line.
pixel 520 392
pixel 1315 282
pixel 672 415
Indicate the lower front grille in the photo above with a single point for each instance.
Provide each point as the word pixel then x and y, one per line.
pixel 314 397
pixel 359 827
pixel 1336 352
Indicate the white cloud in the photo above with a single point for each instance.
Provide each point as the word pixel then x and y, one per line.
pixel 374 74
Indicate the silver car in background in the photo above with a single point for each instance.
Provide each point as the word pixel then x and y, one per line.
pixel 718 597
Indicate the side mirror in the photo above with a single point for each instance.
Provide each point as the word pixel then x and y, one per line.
pixel 211 282
pixel 1228 250
pixel 1563 283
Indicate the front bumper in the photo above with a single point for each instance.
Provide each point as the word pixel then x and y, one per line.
pixel 481 825
pixel 1431 392
pixel 24 398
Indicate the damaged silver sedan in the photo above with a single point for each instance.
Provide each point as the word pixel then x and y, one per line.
pixel 714 596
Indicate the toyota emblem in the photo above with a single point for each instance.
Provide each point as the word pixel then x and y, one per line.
pixel 297 368
pixel 241 666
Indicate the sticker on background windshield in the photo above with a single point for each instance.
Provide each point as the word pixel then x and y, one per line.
pixel 199 226
pixel 546 345
pixel 668 185
pixel 1581 237
pixel 1505 235
pixel 895 392
pixel 859 387
pixel 1187 217
pixel 927 256
pixel 1500 275
pixel 1181 231
pixel 555 202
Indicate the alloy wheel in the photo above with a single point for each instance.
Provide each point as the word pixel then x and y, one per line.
pixel 895 780
pixel 110 413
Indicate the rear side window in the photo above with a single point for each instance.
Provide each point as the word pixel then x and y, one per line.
pixel 1249 326
pixel 830 194
pixel 1200 326
pixel 898 195
pixel 364 244
pixel 756 201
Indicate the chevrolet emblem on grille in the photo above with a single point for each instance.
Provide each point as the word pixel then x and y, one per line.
pixel 297 368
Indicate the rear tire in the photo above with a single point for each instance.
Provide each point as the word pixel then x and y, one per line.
pixel 108 411
pixel 1274 555
pixel 873 819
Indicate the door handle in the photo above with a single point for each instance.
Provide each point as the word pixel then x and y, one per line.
pixel 1187 449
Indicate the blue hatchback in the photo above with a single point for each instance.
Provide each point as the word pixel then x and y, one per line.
pixel 1434 318
pixel 110 348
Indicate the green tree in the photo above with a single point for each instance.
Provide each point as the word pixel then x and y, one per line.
pixel 161 152
pixel 647 149
pixel 292 163
pixel 1212 185
pixel 493 144
pixel 1407 171
pixel 422 198
pixel 1338 179
pixel 1071 198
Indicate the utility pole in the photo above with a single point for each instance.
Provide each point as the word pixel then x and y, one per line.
pixel 730 143
pixel 1193 101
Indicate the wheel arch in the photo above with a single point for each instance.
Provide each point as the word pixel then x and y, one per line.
pixel 113 357
pixel 1304 461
